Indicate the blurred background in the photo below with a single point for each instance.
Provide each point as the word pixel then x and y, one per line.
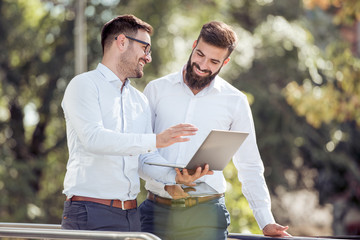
pixel 297 61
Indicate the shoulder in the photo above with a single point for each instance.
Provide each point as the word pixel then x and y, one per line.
pixel 169 79
pixel 84 80
pixel 163 83
pixel 81 88
pixel 225 87
pixel 84 83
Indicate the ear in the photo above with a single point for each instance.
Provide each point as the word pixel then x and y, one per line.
pixel 194 44
pixel 120 41
pixel 226 61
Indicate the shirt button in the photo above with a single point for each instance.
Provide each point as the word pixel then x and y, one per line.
pixel 149 150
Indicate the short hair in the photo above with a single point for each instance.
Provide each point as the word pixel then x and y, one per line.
pixel 219 34
pixel 127 24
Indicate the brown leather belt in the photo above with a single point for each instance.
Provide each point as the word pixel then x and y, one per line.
pixel 182 202
pixel 124 205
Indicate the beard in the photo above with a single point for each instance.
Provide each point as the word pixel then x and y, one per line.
pixel 135 70
pixel 138 71
pixel 195 81
pixel 130 65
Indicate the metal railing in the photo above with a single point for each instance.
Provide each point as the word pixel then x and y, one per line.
pixel 234 236
pixel 29 225
pixel 54 231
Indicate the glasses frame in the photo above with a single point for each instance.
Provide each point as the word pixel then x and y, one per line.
pixel 147 49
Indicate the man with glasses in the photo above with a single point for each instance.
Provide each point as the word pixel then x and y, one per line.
pixel 147 49
pixel 197 95
pixel 108 124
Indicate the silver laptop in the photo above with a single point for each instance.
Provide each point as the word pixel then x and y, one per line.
pixel 217 150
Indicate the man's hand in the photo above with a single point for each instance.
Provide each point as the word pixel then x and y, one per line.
pixel 176 191
pixel 174 134
pixel 187 177
pixel 275 230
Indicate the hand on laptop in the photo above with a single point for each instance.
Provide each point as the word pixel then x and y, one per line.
pixel 187 177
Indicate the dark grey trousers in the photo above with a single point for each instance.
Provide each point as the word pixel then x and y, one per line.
pixel 93 216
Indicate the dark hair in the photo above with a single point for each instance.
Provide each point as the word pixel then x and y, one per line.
pixel 127 24
pixel 219 34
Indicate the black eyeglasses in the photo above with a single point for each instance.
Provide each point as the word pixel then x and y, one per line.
pixel 147 49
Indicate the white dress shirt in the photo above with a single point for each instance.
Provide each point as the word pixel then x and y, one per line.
pixel 108 126
pixel 218 106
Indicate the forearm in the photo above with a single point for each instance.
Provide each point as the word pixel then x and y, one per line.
pixel 164 175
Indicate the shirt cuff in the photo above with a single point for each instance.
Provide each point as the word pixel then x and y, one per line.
pixel 150 142
pixel 170 178
pixel 264 217
pixel 164 193
pixel 160 188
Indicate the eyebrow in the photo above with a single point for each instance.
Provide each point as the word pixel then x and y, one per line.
pixel 212 59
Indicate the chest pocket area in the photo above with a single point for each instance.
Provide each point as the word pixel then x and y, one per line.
pixel 136 118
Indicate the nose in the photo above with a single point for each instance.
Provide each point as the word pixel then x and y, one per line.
pixel 148 58
pixel 202 64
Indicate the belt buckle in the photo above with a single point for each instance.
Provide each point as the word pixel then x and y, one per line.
pixel 178 202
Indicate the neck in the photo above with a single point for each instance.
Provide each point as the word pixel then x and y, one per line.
pixel 111 64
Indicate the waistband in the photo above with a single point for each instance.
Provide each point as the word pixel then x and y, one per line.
pixel 124 205
pixel 182 202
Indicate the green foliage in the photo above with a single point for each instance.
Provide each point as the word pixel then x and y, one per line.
pixel 345 11
pixel 339 93
pixel 31 130
pixel 242 218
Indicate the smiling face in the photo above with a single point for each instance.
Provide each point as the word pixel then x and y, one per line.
pixel 204 64
pixel 134 58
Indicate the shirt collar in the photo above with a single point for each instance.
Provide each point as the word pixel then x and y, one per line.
pixel 109 75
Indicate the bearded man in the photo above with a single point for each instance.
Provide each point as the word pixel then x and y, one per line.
pixel 197 95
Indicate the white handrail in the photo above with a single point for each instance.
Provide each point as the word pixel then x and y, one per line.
pixel 30 225
pixel 234 236
pixel 54 231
